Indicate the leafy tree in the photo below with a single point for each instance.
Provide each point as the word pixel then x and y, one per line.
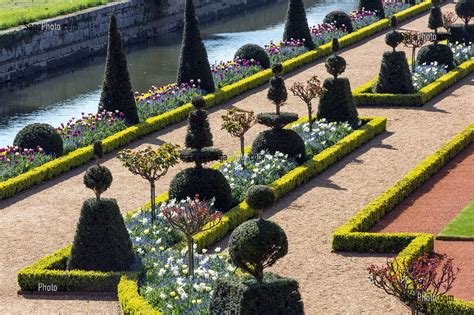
pixel 237 123
pixel 307 94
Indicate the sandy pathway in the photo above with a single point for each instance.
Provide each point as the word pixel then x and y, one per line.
pixel 38 221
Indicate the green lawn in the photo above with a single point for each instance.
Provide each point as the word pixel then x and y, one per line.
pixel 19 12
pixel 462 226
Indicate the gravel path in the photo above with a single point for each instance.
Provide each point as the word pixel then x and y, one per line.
pixel 43 219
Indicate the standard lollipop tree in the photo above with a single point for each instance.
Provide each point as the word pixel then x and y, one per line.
pixel 278 139
pixel 394 75
pixel 205 182
pixel 336 103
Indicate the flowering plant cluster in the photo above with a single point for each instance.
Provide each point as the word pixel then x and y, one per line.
pixel 323 134
pixel 425 74
pixel 159 100
pixel 363 18
pixel 90 128
pixel 226 73
pixel 285 50
pixel 393 6
pixel 325 32
pixel 461 52
pixel 14 160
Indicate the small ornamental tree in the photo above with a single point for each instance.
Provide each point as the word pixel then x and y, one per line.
pixel 260 198
pixel 237 123
pixel 117 93
pixel 448 20
pixel 193 60
pixel 151 165
pixel 465 10
pixel 98 178
pixel 277 92
pixel 435 20
pixel 424 279
pixel 98 150
pixel 296 26
pixel 191 217
pixel 413 40
pixel 307 93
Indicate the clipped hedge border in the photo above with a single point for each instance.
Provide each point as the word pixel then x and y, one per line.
pixel 352 236
pixel 51 270
pixel 130 299
pixel 81 156
pixel 363 95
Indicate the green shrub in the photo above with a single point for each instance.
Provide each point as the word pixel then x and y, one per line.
pixel 372 5
pixel 277 92
pixel 277 295
pixel 435 19
pixel 282 140
pixel 193 61
pixel 465 10
pixel 260 197
pixel 341 20
pixel 335 64
pixel 117 93
pixel 393 38
pixel 296 25
pixel 43 135
pixel 439 53
pixel 336 103
pixel 257 244
pixel 394 75
pixel 276 121
pixel 255 52
pixel 461 33
pixel 101 242
pixel 98 178
pixel 207 183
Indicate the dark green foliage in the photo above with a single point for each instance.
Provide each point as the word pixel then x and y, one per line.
pixel 277 69
pixel 394 75
pixel 296 25
pixel 336 103
pixel 98 178
pixel 257 244
pixel 436 52
pixel 276 121
pixel 435 19
pixel 277 92
pixel 281 140
pixel 117 91
pixel 335 45
pixel 462 33
pixel 205 155
pixel 43 135
pixel 208 183
pixel 198 102
pixel 393 22
pixel 335 65
pixel 372 5
pixel 193 62
pixel 199 133
pixel 465 10
pixel 276 296
pixel 101 242
pixel 341 20
pixel 260 197
pixel 98 149
pixel 393 39
pixel 255 52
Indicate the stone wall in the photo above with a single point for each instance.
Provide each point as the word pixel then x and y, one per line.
pixel 29 51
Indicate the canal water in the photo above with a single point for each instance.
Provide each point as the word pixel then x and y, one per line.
pixel 77 89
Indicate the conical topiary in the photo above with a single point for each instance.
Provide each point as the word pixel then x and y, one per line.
pixel 435 20
pixel 205 182
pixel 117 93
pixel 193 61
pixel 296 26
pixel 336 103
pixel 278 139
pixel 372 5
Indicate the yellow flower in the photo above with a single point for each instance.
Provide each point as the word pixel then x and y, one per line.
pixel 172 293
pixel 153 250
pixel 146 232
pixel 199 301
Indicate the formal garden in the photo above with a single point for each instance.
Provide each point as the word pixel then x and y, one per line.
pixel 216 233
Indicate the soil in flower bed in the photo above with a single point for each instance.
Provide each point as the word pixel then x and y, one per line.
pixel 434 205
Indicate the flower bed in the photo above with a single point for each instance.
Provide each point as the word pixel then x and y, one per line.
pixel 81 156
pixel 363 95
pixel 353 235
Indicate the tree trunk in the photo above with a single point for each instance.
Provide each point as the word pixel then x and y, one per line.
pixel 191 256
pixel 242 151
pixel 153 202
pixel 310 116
pixel 413 60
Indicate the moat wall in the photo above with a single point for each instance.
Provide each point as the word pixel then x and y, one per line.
pixel 30 51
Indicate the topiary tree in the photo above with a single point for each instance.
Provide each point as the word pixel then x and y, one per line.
pixel 117 93
pixel 193 61
pixel 255 52
pixel 394 76
pixel 237 123
pixel 151 165
pixel 465 10
pixel 435 19
pixel 98 150
pixel 101 242
pixel 278 139
pixel 42 135
pixel 307 94
pixel 296 26
pixel 341 20
pixel 260 198
pixel 207 183
pixel 336 103
pixel 372 5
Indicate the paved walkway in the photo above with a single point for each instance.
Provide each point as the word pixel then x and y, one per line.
pixel 43 219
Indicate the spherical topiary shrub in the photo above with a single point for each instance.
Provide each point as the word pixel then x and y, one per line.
pixel 207 183
pixel 257 244
pixel 255 52
pixel 335 64
pixel 393 38
pixel 341 20
pixel 280 140
pixel 43 135
pixel 439 53
pixel 102 242
pixel 260 197
pixel 99 179
pixel 372 5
